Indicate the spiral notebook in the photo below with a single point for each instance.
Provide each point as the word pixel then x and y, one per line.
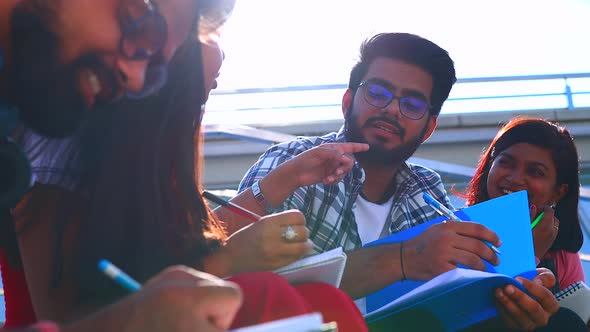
pixel 326 267
pixel 576 297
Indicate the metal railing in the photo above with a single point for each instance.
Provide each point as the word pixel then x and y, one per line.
pixel 478 94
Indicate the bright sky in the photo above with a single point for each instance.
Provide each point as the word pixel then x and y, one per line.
pixel 278 43
pixel 299 42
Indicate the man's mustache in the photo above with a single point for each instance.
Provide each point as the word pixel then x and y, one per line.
pixel 400 129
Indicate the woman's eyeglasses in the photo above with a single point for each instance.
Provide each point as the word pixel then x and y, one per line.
pixel 144 34
pixel 380 96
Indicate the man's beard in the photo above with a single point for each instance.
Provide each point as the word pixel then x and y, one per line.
pixel 46 92
pixel 377 153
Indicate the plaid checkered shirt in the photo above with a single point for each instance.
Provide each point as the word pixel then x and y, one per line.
pixel 329 209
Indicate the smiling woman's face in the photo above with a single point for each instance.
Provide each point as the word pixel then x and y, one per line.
pixel 524 166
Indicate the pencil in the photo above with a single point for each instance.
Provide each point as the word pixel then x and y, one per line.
pixel 118 276
pixel 536 221
pixel 231 206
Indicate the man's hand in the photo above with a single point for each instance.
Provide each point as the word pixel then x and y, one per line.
pixel 261 246
pixel 520 311
pixel 327 163
pixel 443 246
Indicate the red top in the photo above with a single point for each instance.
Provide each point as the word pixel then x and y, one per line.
pixel 19 310
pixel 569 267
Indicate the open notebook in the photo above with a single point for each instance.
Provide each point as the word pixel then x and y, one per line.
pixel 576 297
pixel 462 297
pixel 304 323
pixel 326 267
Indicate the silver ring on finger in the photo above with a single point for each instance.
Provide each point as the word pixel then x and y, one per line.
pixel 289 234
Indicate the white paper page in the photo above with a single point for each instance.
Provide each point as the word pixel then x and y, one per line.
pixel 446 280
pixel 326 267
pixel 304 323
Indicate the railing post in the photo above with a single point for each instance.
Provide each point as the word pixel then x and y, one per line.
pixel 568 95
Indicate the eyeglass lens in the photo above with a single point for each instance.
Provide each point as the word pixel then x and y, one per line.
pixel 379 96
pixel 144 29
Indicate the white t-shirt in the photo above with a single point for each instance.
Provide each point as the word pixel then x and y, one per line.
pixel 370 220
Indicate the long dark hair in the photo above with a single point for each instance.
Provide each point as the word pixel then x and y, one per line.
pixel 139 186
pixel 560 144
pixel 141 171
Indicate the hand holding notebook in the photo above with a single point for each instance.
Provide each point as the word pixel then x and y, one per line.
pixel 462 297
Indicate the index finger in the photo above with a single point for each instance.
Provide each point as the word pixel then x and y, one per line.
pixel 218 302
pixel 181 273
pixel 353 147
pixel 549 213
pixel 475 230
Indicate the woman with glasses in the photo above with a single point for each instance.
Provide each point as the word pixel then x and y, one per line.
pixel 136 201
pixel 116 48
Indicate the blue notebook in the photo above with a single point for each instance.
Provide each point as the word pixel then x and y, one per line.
pixel 461 297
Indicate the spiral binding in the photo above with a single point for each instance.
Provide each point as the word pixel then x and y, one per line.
pixel 569 290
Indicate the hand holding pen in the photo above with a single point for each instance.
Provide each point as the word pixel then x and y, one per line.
pixel 444 211
pixel 545 228
pixel 268 243
pixel 176 299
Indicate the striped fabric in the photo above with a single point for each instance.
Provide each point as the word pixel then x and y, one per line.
pixel 52 160
pixel 329 209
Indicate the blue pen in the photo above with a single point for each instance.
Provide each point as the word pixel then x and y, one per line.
pixel 443 210
pixel 118 276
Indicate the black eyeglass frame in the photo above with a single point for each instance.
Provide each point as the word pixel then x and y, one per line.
pixel 394 97
pixel 156 72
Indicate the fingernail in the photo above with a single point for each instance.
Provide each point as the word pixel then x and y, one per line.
pixel 533 207
pixel 509 290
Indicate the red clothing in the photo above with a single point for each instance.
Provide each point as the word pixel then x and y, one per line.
pixel 19 310
pixel 568 266
pixel 269 297
pixel 45 326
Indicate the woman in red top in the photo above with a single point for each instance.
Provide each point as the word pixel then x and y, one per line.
pixel 540 157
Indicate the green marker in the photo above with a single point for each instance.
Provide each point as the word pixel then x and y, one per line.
pixel 536 221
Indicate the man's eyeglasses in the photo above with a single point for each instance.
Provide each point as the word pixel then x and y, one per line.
pixel 144 34
pixel 379 96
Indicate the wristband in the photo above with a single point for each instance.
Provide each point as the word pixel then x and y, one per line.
pixel 260 197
